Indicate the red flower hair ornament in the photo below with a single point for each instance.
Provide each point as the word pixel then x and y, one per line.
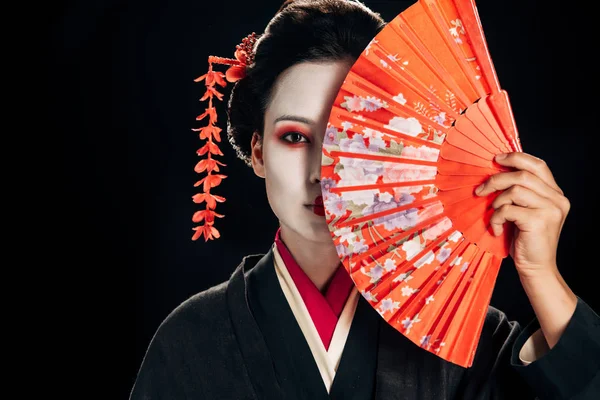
pixel 244 56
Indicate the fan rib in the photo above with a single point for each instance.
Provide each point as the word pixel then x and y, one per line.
pixel 381 186
pixel 431 287
pixel 384 213
pixel 476 318
pixel 406 265
pixel 436 18
pixel 412 83
pixel 378 126
pixel 391 106
pixel 374 157
pixel 399 236
pixel 406 33
pixel 472 24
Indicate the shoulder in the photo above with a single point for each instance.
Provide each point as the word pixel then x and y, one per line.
pixel 196 313
pixel 207 311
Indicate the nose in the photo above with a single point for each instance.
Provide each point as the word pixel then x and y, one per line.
pixel 315 164
pixel 315 175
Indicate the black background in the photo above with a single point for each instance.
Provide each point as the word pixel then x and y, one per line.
pixel 123 101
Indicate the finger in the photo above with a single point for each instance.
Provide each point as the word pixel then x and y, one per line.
pixel 523 197
pixel 522 217
pixel 504 180
pixel 532 164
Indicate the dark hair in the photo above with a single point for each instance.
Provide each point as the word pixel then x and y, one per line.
pixel 301 30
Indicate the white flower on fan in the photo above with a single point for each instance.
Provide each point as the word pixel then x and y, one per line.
pixel 383 63
pixel 372 103
pixel 331 135
pixel 408 291
pixel 359 246
pixel 403 277
pixel 412 247
pixel 359 197
pixel 410 126
pixel 426 259
pixel 389 265
pixel 408 322
pixel 385 197
pixel 388 305
pixel 408 172
pixel 368 296
pixel 429 300
pixel 375 273
pixel 443 254
pixel 345 234
pixel 457 28
pixel 355 144
pixel 375 144
pixel 431 210
pixel 402 219
pixel 436 230
pixel 425 341
pixel 371 167
pixel 420 153
pixel 368 48
pixel 399 98
pixel 457 260
pixel 372 133
pixel 326 185
pixel 335 204
pixel 354 175
pixel 403 198
pixel 352 103
pixel 454 236
pixel 437 349
pixel 393 58
pixel 440 118
pixel 347 125
pixel 464 267
pixel 342 250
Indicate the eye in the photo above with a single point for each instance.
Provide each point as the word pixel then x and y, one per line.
pixel 296 137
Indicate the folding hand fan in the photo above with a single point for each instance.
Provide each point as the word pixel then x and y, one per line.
pixel 413 131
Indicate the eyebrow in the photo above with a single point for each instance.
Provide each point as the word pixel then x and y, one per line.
pixel 288 117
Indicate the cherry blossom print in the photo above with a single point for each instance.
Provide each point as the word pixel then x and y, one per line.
pixel 409 126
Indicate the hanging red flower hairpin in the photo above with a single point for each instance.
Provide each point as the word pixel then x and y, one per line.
pixel 244 56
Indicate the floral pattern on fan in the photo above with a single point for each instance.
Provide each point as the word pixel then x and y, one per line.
pixel 412 131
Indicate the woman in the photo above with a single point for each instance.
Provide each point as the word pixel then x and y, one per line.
pixel 290 324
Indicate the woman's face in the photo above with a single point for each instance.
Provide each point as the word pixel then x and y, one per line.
pixel 289 157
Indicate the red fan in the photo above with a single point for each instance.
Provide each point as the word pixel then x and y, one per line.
pixel 413 131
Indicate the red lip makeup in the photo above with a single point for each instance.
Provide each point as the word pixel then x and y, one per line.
pixel 317 207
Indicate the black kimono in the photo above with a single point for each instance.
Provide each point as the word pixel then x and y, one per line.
pixel 240 340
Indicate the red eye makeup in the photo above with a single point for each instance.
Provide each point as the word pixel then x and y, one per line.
pixel 295 131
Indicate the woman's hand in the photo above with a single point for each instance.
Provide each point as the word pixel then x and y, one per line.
pixel 537 206
pixel 533 201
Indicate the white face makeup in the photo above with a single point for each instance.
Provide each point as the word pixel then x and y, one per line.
pixel 290 161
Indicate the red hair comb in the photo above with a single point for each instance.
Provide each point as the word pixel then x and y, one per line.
pixel 244 56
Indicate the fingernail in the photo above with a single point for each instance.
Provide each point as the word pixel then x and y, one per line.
pixel 500 156
pixel 479 188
